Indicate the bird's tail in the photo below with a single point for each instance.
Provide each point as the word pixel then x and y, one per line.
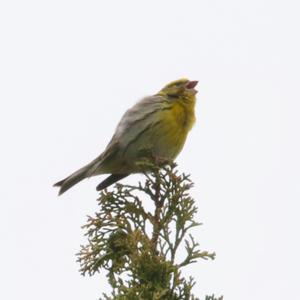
pixel 71 180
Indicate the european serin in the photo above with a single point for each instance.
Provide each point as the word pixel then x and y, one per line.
pixel 157 124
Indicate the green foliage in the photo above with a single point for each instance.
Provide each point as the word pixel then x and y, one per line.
pixel 138 248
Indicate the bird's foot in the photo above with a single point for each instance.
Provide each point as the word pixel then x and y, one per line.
pixel 161 161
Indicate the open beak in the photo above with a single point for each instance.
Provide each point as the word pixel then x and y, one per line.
pixel 190 86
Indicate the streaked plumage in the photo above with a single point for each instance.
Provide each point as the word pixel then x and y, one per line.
pixel 158 124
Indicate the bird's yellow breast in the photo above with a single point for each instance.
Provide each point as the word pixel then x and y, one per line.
pixel 178 121
pixel 183 115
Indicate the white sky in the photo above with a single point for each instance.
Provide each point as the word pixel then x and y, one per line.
pixel 68 71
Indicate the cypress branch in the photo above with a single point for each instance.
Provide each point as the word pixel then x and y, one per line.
pixel 138 249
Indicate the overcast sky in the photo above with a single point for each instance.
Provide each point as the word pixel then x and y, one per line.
pixel 69 70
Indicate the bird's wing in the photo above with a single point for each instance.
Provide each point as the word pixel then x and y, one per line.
pixel 138 118
pixel 108 154
pixel 110 180
pixel 133 123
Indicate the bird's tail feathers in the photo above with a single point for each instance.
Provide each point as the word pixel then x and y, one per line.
pixel 71 180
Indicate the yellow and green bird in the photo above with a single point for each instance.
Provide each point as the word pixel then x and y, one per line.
pixel 157 124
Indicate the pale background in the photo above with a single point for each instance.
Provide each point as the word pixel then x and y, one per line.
pixel 69 69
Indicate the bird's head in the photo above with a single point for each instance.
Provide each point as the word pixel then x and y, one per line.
pixel 181 89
